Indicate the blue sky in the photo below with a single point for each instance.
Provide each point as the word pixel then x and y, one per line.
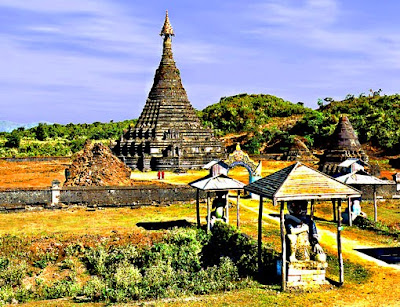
pixel 94 60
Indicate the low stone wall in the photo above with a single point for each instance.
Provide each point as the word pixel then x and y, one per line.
pixel 117 196
pixel 20 198
pixel 17 199
pixel 385 191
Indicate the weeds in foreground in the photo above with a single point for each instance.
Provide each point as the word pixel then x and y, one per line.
pixel 183 262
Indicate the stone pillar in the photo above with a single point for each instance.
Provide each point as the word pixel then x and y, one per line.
pixel 55 192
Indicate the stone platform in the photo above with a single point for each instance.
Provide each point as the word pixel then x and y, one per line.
pixel 306 274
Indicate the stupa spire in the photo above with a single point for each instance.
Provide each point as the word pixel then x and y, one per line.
pixel 167 30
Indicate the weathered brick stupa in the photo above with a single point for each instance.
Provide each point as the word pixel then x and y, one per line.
pixel 168 133
pixel 344 144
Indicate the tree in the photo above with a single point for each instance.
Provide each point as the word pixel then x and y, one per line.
pixel 41 132
pixel 13 140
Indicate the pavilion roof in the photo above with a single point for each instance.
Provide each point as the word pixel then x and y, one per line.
pixel 217 183
pixel 351 161
pixel 362 178
pixel 299 181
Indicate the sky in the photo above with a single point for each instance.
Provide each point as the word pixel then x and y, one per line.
pixel 80 61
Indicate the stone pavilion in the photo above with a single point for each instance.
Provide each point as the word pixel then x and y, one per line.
pixel 168 133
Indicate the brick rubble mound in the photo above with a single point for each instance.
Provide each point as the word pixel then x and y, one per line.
pixel 96 165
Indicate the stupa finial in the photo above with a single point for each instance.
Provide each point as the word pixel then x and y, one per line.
pixel 167 28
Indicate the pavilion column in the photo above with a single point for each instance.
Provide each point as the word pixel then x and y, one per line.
pixel 334 209
pixel 198 207
pixel 312 209
pixel 283 244
pixel 208 212
pixel 260 213
pixel 349 210
pixel 375 205
pixel 339 243
pixel 237 210
pixel 227 207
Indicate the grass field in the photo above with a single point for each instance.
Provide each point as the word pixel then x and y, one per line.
pixel 367 282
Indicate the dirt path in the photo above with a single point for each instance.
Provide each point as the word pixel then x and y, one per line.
pixel 380 290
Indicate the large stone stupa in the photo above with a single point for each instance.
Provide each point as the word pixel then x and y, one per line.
pixel 168 133
pixel 344 144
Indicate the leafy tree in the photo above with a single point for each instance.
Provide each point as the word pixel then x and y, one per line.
pixel 13 140
pixel 41 132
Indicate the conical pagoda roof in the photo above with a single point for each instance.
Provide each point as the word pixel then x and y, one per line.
pixel 167 105
pixel 167 28
pixel 344 136
pixel 299 181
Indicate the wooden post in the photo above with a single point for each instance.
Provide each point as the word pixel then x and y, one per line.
pixel 283 244
pixel 334 209
pixel 375 205
pixel 198 207
pixel 260 235
pixel 339 243
pixel 349 210
pixel 208 212
pixel 237 211
pixel 312 209
pixel 227 207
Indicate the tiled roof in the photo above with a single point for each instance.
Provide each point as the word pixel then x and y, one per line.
pixel 299 181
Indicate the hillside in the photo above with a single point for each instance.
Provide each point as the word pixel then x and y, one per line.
pixel 265 123
pixel 260 123
pixel 376 120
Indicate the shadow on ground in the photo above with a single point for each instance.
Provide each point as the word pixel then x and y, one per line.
pixel 164 225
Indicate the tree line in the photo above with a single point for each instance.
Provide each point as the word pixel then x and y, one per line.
pixel 57 139
pixel 265 119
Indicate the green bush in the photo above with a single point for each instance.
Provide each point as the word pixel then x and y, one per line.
pixel 95 260
pixel 60 288
pixel 175 266
pixel 13 273
pixel 95 288
pixel 241 249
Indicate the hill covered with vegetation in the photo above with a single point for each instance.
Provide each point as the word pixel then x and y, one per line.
pixel 376 119
pixel 261 123
pixel 264 119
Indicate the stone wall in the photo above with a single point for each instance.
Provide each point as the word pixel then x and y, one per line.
pixel 19 198
pixel 385 191
pixel 13 199
pixel 126 195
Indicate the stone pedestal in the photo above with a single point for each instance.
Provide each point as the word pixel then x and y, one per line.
pixel 306 274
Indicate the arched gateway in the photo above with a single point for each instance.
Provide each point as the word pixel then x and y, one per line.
pixel 240 158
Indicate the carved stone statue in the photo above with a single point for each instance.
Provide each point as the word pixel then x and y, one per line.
pixel 218 208
pixel 302 236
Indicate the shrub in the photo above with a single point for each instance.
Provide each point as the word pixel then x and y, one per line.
pixel 60 288
pixel 95 259
pixel 241 249
pixel 95 288
pixel 13 273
